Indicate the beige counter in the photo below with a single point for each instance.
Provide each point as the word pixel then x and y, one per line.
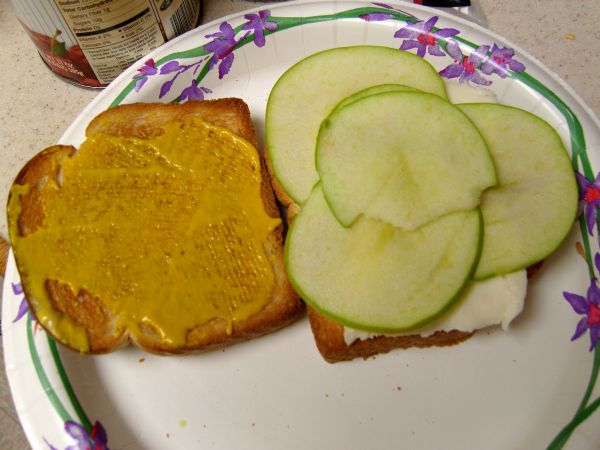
pixel 37 106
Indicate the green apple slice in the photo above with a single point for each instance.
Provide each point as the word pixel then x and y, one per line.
pixel 377 277
pixel 402 157
pixel 378 89
pixel 531 210
pixel 307 92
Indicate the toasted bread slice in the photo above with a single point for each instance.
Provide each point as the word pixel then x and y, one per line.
pixel 87 309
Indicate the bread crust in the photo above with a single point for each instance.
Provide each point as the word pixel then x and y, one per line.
pixel 291 207
pixel 145 120
pixel 329 338
pixel 88 310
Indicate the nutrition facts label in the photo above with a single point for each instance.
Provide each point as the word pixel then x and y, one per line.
pixel 113 34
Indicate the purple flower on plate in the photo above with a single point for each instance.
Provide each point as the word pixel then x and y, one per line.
pixel 419 35
pixel 17 289
pixel 176 69
pixel 589 200
pixel 194 92
pixel 376 17
pixel 222 47
pixel 259 23
pixel 99 437
pixel 170 67
pixel 499 60
pixel 589 307
pixel 166 87
pixel 147 70
pixel 96 440
pixel 465 67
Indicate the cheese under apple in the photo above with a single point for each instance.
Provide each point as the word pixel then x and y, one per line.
pixel 495 301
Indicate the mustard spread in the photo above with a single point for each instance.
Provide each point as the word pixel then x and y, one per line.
pixel 169 232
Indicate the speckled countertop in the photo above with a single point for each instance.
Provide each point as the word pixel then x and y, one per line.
pixel 37 106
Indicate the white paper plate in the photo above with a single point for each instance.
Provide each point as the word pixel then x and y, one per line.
pixel 498 390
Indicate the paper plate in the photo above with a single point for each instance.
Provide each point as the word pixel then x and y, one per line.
pixel 532 387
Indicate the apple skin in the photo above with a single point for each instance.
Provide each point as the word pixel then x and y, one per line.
pixel 397 184
pixel 307 92
pixel 376 277
pixel 532 209
pixel 377 89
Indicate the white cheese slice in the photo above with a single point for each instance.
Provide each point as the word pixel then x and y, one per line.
pixel 495 301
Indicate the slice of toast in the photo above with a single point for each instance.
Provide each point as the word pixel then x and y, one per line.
pixel 88 310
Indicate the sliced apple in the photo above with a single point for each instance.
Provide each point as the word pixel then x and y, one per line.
pixel 378 89
pixel 485 303
pixel 307 92
pixel 403 157
pixel 377 277
pixel 531 210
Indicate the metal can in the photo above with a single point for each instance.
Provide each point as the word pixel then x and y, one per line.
pixel 90 42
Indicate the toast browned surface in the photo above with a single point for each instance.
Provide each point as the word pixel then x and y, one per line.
pixel 86 309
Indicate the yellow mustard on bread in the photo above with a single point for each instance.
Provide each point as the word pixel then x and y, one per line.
pixel 162 231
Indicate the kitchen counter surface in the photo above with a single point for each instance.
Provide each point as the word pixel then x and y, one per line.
pixel 38 106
